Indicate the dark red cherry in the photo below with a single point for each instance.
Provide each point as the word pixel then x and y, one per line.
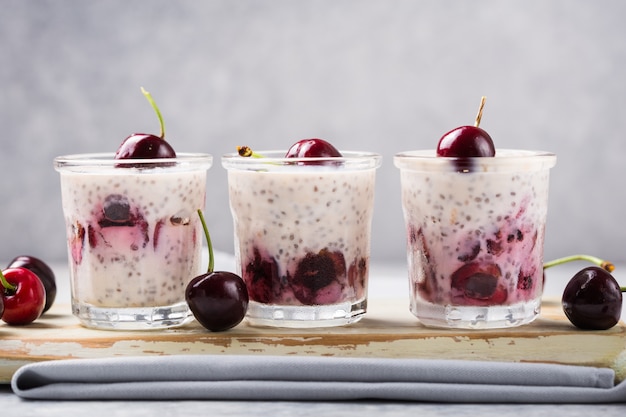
pixel 43 272
pixel 317 277
pixel 592 299
pixel 218 300
pixel 312 148
pixel 145 145
pixel 466 142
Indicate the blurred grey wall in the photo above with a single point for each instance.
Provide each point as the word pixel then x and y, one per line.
pixel 372 75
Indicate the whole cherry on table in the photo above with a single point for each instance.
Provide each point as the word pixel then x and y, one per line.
pixel 23 296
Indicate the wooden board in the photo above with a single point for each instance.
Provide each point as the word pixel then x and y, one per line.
pixel 388 330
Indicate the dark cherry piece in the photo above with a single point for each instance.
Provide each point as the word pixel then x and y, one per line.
pixel 261 276
pixel 315 274
pixel 43 272
pixel 24 296
pixel 592 299
pixel 116 209
pixel 476 283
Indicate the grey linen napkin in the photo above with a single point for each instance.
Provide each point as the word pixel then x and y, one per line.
pixel 292 378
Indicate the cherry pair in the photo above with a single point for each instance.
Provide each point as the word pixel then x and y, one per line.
pixel 27 290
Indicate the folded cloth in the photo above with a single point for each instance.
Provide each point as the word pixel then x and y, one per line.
pixel 294 378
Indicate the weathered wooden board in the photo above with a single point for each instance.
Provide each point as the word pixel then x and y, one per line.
pixel 388 330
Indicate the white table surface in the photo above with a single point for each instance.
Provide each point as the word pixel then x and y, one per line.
pixel 386 281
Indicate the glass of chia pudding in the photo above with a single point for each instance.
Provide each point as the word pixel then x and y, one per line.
pixel 475 236
pixel 133 236
pixel 302 235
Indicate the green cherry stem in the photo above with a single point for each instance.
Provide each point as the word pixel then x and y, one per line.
pixel 156 110
pixel 6 284
pixel 208 240
pixel 606 265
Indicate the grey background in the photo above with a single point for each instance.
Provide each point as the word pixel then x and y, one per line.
pixel 384 76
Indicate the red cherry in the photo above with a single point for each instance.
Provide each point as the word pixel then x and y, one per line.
pixel 467 141
pixel 43 271
pixel 312 148
pixel 305 148
pixel 145 145
pixel 24 296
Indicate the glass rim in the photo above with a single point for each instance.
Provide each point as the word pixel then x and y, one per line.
pixel 505 160
pixel 276 158
pixel 106 160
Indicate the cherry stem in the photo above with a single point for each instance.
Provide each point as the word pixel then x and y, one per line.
pixel 6 284
pixel 606 265
pixel 208 240
pixel 480 111
pixel 247 152
pixel 157 111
